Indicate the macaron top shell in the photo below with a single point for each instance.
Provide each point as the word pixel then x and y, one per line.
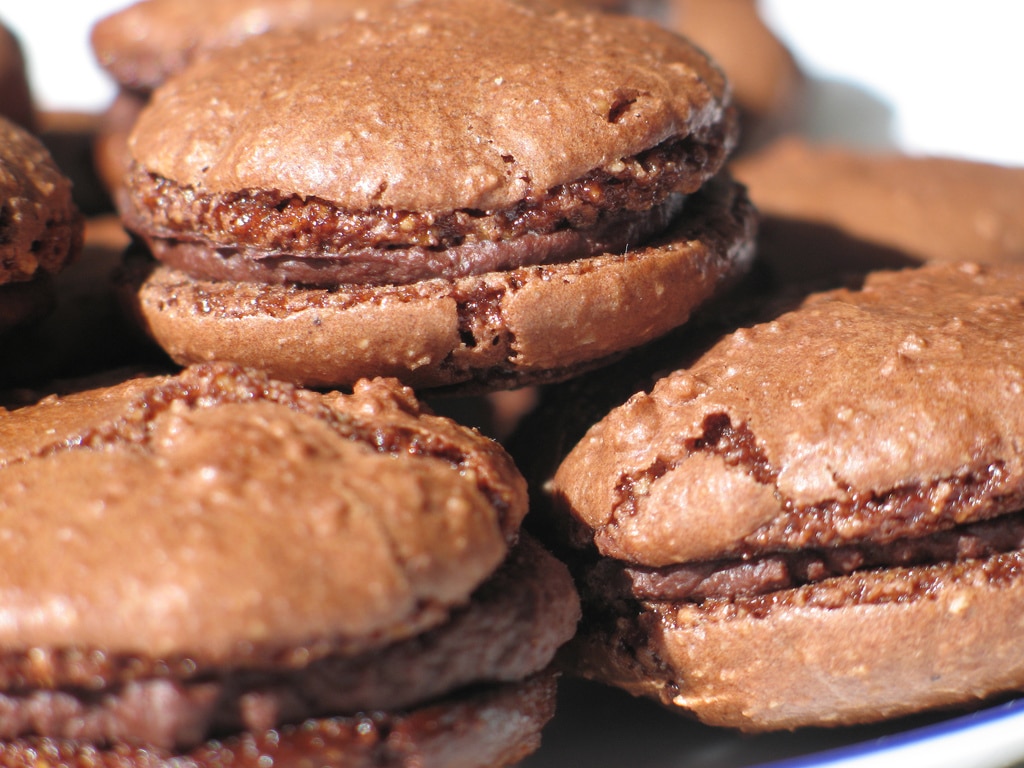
pixel 444 105
pixel 862 414
pixel 221 517
pixel 40 227
pixel 144 43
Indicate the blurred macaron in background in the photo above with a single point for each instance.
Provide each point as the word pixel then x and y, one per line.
pixel 922 77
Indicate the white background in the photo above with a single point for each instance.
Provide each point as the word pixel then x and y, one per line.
pixel 929 76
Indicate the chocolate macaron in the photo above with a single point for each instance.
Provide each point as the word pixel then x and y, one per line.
pixel 40 227
pixel 144 43
pixel 458 194
pixel 215 569
pixel 831 210
pixel 818 522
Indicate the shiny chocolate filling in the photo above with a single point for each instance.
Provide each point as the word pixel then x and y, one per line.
pixel 271 237
pixel 773 572
pixel 974 516
pixel 510 629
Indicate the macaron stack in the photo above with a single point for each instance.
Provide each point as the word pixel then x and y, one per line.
pixel 549 198
pixel 455 195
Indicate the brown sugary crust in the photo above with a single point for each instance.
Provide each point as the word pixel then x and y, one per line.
pixel 520 100
pixel 855 649
pixel 41 229
pixel 145 42
pixel 866 414
pixel 496 330
pixel 830 210
pixel 291 474
pixel 489 727
pixel 148 41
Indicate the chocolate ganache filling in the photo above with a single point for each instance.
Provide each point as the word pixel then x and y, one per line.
pixel 772 572
pixel 973 516
pixel 272 237
pixel 509 630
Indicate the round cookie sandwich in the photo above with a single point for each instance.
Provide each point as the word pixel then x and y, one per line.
pixel 40 227
pixel 830 210
pixel 458 195
pixel 251 573
pixel 819 521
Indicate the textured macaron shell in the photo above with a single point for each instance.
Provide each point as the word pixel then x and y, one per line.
pixel 871 646
pixel 443 106
pixel 912 380
pixel 186 518
pixel 142 44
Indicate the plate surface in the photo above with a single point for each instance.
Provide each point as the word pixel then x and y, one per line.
pixel 604 728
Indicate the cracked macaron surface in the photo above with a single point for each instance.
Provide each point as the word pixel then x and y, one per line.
pixel 40 226
pixel 148 456
pixel 788 423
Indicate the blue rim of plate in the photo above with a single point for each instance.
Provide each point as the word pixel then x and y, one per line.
pixel 905 739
